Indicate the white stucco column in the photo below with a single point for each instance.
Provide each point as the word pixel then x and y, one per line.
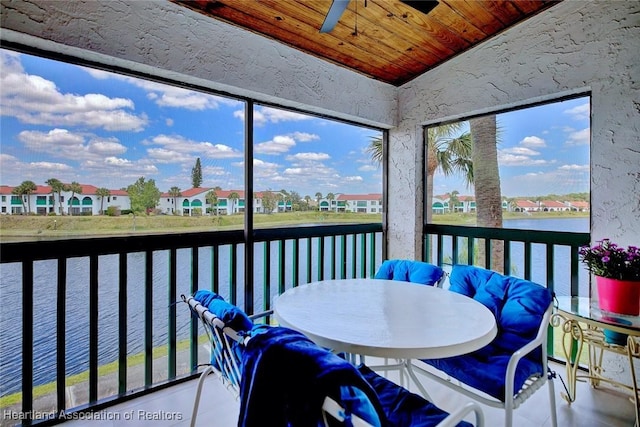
pixel 405 191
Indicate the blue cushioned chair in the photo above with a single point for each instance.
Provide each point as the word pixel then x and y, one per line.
pixel 514 365
pixel 411 271
pixel 290 381
pixel 403 408
pixel 228 328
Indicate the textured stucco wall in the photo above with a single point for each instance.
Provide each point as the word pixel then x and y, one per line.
pixel 574 46
pixel 149 36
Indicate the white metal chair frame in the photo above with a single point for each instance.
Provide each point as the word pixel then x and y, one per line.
pixel 532 384
pixel 331 407
pixel 228 363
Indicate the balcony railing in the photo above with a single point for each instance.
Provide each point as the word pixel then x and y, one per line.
pixel 65 295
pixel 551 255
pixel 549 258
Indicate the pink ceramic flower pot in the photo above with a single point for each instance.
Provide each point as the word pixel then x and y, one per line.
pixel 619 296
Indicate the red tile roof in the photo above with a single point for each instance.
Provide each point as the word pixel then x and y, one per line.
pixel 553 204
pixel 526 204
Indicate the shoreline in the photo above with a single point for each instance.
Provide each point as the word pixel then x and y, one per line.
pixel 14 228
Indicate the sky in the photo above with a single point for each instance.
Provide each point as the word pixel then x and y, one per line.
pixel 78 124
pixel 541 150
pixel 74 123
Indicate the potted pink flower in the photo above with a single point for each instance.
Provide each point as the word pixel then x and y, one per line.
pixel 617 271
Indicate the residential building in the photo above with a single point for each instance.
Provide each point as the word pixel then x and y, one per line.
pixel 360 203
pixel 44 202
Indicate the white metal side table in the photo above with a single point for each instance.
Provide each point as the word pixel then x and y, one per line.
pixel 582 322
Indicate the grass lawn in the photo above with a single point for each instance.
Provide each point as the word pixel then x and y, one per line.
pixel 28 227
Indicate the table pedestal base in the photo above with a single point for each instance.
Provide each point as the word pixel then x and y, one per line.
pixel 404 366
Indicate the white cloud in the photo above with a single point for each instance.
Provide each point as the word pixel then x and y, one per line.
pixel 506 159
pixel 261 164
pixel 533 141
pixel 264 115
pixel 367 168
pixel 296 171
pixel 305 136
pixel 106 147
pixel 278 145
pixel 13 171
pixel 163 155
pixel 214 171
pixel 580 112
pixel 169 96
pixel 315 157
pixel 356 178
pixel 188 149
pixel 563 180
pixel 69 145
pixel 40 141
pixel 35 100
pixel 580 137
pixel 116 166
pixel 187 99
pixel 575 168
pixel 523 151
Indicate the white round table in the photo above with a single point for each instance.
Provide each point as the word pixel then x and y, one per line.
pixel 386 318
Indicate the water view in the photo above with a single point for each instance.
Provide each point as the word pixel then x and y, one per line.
pixel 77 307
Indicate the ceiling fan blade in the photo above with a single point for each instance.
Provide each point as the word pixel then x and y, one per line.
pixel 333 15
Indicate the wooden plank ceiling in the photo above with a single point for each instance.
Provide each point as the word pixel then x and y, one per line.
pixel 384 39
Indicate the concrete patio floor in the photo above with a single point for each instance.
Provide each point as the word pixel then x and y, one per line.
pixel 603 407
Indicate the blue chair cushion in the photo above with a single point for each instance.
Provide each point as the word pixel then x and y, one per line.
pixel 409 271
pixel 485 370
pixel 231 315
pixel 286 377
pixel 403 408
pixel 519 306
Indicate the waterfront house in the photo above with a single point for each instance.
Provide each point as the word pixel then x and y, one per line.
pixel 571 48
pixel 526 206
pixel 553 206
pixel 578 206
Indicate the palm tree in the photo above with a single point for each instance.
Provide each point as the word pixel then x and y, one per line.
pixel 487 182
pixel 102 193
pixel 318 198
pixel 331 197
pixel 75 188
pixel 453 200
pixel 212 199
pixel 26 188
pixel 233 198
pixel 174 192
pixel 56 187
pixel 450 154
pixel 375 149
